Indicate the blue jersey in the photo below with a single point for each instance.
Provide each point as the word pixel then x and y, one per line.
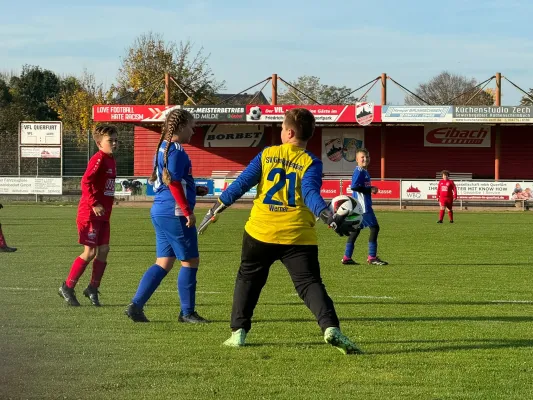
pixel 361 180
pixel 288 180
pixel 180 168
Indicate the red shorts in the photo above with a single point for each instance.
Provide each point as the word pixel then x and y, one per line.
pixel 93 233
pixel 448 203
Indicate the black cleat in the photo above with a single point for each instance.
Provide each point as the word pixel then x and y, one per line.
pixel 135 313
pixel 376 261
pixel 92 294
pixel 192 318
pixel 451 222
pixel 348 261
pixel 7 249
pixel 68 295
pixel 439 221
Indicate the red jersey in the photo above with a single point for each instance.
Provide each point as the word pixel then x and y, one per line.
pixel 98 187
pixel 446 190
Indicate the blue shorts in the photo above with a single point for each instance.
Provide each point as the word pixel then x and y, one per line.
pixel 369 220
pixel 174 239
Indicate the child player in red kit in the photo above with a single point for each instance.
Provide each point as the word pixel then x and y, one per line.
pixel 4 248
pixel 446 194
pixel 94 212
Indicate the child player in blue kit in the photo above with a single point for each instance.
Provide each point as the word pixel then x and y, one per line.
pixel 362 190
pixel 173 219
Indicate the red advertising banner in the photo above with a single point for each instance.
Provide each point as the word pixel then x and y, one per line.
pixel 386 189
pixel 157 113
pixel 367 113
pixel 128 113
pixel 330 189
pixel 322 113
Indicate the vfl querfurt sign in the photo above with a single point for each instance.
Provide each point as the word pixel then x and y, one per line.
pixel 34 133
pixel 233 136
pixel 456 136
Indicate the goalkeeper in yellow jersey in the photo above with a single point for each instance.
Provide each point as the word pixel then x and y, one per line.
pixel 281 227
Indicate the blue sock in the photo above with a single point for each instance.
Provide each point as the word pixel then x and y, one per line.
pixel 148 284
pixel 187 289
pixel 348 252
pixel 372 249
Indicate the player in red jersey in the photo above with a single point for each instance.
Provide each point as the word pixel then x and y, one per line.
pixel 4 248
pixel 446 194
pixel 94 211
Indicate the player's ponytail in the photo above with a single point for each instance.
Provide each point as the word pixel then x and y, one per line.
pixel 153 177
pixel 175 121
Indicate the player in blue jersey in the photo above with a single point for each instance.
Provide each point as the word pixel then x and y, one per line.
pixel 281 227
pixel 362 190
pixel 173 219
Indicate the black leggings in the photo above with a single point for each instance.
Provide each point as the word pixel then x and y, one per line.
pixel 374 230
pixel 302 263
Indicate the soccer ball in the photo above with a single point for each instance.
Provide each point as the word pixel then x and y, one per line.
pixel 349 207
pixel 255 113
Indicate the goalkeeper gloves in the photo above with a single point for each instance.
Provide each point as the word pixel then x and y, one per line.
pixel 211 216
pixel 335 222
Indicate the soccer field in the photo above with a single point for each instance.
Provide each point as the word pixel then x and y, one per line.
pixel 451 317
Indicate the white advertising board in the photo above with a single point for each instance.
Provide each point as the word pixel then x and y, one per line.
pixel 18 185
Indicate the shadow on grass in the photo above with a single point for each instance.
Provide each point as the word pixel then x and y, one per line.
pixel 284 344
pixel 478 344
pixel 386 302
pixel 526 318
pixel 438 345
pixel 473 264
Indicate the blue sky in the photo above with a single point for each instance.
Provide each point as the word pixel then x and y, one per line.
pixel 342 42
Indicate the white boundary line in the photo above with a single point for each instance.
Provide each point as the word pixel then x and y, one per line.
pixel 513 301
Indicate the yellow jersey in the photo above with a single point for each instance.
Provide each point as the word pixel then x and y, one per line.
pixel 288 197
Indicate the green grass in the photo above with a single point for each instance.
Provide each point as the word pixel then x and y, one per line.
pixel 450 318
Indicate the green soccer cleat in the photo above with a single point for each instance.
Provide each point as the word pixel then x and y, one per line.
pixel 237 338
pixel 335 337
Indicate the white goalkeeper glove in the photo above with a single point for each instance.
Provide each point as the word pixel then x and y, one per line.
pixel 211 216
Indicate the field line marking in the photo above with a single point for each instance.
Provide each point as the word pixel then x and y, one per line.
pixel 198 291
pixel 513 301
pixel 357 297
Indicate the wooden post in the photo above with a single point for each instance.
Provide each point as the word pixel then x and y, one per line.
pixel 274 139
pixel 274 89
pixel 167 89
pixel 498 139
pixel 383 126
pixel 383 89
pixel 498 99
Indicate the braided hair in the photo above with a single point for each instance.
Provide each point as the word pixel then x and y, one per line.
pixel 175 121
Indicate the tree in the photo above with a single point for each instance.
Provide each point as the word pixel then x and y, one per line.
pixel 33 89
pixel 141 76
pixel 450 89
pixel 527 100
pixel 5 96
pixel 75 101
pixel 324 94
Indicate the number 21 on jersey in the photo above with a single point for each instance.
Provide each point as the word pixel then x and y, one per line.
pixel 283 192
